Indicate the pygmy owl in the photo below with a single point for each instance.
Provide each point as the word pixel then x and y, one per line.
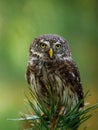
pixel 51 70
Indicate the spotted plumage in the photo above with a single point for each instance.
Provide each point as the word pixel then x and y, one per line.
pixel 52 71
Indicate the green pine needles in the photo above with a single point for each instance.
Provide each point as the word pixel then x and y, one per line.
pixel 48 119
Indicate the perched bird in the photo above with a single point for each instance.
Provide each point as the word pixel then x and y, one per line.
pixel 52 71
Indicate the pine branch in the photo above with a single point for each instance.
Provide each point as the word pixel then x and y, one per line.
pixel 44 119
pixel 48 120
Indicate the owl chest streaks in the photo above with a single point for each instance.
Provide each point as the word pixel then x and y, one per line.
pixel 61 81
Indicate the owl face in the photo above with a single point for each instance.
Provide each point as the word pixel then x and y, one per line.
pixel 50 47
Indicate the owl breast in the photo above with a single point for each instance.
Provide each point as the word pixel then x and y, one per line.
pixel 51 83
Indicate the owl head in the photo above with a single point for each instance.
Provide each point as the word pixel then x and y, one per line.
pixel 49 47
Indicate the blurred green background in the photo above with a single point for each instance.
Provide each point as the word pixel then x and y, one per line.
pixel 23 20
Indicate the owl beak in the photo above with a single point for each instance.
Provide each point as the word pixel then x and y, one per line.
pixel 51 52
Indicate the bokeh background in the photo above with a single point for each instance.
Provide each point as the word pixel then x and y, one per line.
pixel 23 20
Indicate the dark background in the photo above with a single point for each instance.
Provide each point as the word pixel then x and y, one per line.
pixel 23 20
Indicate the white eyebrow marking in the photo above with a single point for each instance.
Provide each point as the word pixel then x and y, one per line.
pixel 43 41
pixel 58 42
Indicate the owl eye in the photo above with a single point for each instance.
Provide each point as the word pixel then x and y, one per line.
pixel 43 45
pixel 58 46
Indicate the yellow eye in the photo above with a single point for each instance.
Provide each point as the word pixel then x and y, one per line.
pixel 43 45
pixel 58 46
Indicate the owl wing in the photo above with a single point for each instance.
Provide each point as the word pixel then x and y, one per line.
pixel 69 71
pixel 75 82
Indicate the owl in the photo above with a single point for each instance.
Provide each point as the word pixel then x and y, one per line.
pixel 51 72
